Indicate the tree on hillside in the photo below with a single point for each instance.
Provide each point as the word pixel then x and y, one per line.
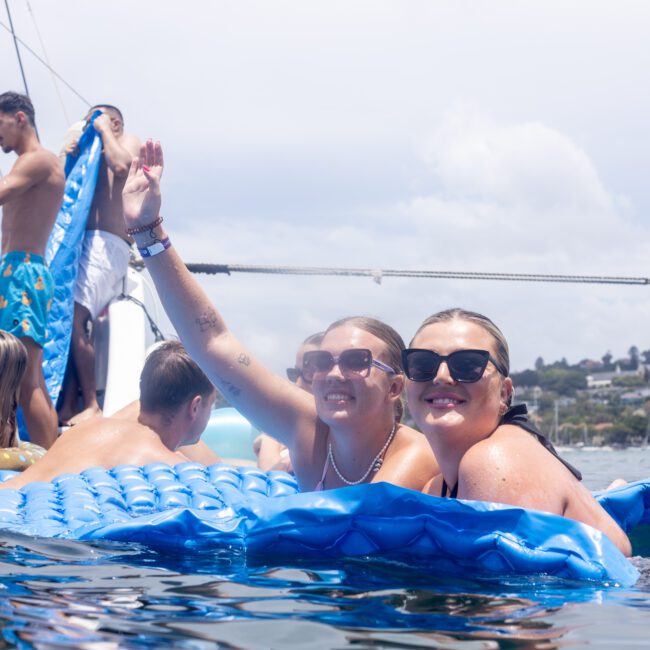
pixel 539 362
pixel 633 353
pixel 525 378
pixel 607 360
pixel 562 380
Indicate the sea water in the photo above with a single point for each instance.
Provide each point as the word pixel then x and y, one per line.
pixel 70 594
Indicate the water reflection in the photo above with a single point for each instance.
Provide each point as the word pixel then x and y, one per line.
pixel 103 595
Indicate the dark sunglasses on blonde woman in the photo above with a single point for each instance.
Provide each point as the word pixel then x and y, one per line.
pixel 465 366
pixel 357 362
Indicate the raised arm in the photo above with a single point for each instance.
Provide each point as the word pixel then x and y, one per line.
pixel 29 169
pixel 117 153
pixel 271 402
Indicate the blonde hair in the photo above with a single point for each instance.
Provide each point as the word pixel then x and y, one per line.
pixel 13 363
pixel 501 352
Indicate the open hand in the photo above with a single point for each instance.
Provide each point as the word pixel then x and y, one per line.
pixel 141 194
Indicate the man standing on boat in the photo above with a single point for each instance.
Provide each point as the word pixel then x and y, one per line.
pixel 104 259
pixel 31 196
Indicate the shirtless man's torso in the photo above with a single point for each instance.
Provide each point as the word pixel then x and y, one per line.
pixel 31 196
pixel 119 149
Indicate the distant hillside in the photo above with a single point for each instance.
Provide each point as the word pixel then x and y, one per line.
pixel 604 401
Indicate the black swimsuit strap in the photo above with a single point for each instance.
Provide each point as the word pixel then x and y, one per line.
pixel 454 490
pixel 518 415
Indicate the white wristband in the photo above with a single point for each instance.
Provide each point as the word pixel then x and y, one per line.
pixel 155 248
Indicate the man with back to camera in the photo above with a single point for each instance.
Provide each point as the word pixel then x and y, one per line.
pixel 104 259
pixel 31 196
pixel 176 400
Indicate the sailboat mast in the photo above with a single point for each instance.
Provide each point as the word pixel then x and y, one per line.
pixel 20 61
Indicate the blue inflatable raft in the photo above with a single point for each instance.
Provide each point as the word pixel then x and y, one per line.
pixel 63 252
pixel 191 507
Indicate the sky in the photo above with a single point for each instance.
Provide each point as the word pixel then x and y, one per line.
pixel 468 135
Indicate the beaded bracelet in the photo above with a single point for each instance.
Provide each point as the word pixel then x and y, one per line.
pixel 140 229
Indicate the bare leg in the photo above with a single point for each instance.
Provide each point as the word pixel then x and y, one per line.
pixel 83 356
pixel 68 403
pixel 38 411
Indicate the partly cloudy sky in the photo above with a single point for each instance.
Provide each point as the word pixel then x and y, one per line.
pixel 460 135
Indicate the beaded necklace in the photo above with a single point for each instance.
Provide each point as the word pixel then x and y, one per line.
pixel 374 466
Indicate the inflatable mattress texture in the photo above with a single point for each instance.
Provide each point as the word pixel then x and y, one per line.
pixel 189 507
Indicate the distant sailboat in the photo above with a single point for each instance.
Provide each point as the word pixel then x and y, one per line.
pixel 554 434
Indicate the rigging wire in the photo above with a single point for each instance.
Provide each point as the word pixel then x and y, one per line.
pixel 158 335
pixel 47 65
pixel 378 274
pixel 47 58
pixel 20 61
pixel 11 30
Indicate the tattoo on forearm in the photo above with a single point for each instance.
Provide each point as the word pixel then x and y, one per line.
pixel 207 321
pixel 229 387
pixel 244 360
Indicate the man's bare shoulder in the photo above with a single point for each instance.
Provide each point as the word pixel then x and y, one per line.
pixel 101 424
pixel 38 157
pixel 41 166
pixel 111 435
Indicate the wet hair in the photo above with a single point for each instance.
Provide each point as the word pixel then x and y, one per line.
pixel 11 103
pixel 109 106
pixel 170 378
pixel 393 341
pixel 501 353
pixel 13 363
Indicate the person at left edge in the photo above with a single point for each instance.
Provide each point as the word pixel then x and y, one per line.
pixel 31 196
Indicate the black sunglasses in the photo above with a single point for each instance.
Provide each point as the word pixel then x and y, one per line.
pixel 294 374
pixel 465 366
pixel 356 361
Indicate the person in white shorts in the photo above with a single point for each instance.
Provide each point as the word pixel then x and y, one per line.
pixel 102 267
pixel 104 260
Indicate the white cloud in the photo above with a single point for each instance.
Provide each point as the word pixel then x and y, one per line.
pixel 323 135
pixel 519 197
pixel 524 165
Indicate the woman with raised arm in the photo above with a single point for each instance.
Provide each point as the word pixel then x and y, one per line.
pixel 460 395
pixel 346 433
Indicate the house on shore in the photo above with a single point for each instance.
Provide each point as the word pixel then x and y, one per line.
pixel 598 380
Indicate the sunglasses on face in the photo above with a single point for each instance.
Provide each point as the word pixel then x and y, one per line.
pixel 294 374
pixel 357 361
pixel 465 366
